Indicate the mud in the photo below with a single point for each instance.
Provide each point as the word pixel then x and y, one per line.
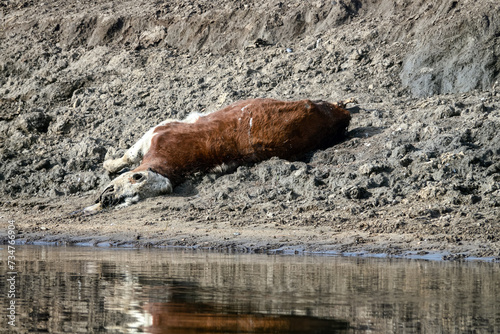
pixel 419 172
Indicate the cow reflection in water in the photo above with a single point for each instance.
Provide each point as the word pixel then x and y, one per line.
pixel 182 317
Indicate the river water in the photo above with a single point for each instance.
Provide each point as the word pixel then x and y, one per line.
pixel 93 290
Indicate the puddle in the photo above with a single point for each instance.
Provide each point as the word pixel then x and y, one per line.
pixel 103 290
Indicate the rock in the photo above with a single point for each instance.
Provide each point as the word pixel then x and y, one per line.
pixel 479 108
pixel 446 112
pixel 62 125
pixel 372 168
pixel 355 192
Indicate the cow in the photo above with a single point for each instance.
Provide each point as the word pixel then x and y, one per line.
pixel 244 132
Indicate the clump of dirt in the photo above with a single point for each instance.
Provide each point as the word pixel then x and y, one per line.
pixel 419 171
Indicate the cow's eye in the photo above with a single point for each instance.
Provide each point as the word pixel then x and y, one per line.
pixel 137 177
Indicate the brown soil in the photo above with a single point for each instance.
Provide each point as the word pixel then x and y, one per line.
pixel 419 173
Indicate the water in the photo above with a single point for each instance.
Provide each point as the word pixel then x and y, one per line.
pixel 88 290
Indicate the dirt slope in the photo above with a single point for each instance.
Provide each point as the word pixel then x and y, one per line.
pixel 420 171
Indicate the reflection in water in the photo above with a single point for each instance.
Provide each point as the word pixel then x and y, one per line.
pixel 176 317
pixel 86 290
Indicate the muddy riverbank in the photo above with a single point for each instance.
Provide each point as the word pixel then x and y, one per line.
pixel 419 171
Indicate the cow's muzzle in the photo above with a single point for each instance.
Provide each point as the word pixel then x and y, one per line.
pixel 106 199
pixel 109 198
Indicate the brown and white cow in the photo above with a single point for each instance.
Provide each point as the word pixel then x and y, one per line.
pixel 244 132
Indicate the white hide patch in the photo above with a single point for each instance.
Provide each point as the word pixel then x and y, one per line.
pixel 250 129
pixel 139 149
pixel 192 117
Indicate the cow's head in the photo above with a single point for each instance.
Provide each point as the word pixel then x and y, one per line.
pixel 129 188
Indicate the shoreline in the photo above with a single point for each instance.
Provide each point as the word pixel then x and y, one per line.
pixel 129 228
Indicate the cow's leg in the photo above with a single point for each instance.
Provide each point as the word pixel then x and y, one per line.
pixel 135 153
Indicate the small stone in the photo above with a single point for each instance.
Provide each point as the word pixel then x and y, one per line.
pixel 446 112
pixel 355 192
pixel 479 108
pixel 370 168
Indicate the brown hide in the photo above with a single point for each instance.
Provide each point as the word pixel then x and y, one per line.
pixel 199 318
pixel 246 131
